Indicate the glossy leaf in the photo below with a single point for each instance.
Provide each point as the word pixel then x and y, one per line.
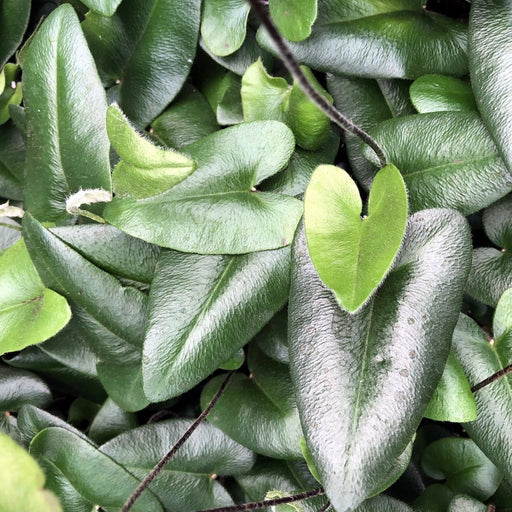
pixel 12 162
pixel 105 7
pixel 453 399
pixel 351 253
pixel 19 387
pixel 294 18
pixel 22 481
pixel 202 309
pixel 143 34
pixel 272 340
pixel 29 312
pixel 198 215
pixel 447 160
pixel 14 15
pixel 438 93
pixel 409 44
pixel 489 55
pixel 85 467
pixel 435 498
pixel 144 170
pixel 383 503
pixel 463 467
pixel 67 144
pixel 481 359
pixel 363 381
pixel 491 270
pixel 110 421
pixel 466 503
pixel 186 481
pixel 224 25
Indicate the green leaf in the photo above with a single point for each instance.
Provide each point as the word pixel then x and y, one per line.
pixel 489 49
pixel 29 312
pixel 12 162
pixel 67 144
pixel 224 25
pixel 149 46
pixel 437 93
pixel 453 399
pixel 294 18
pixel 12 94
pixel 86 469
pixel 272 340
pixel 110 421
pixel 202 309
pixel 258 412
pixel 467 504
pixel 19 387
pixel 113 314
pixel 216 210
pixel 480 359
pixel 363 381
pixel 447 160
pixel 435 498
pixel 491 270
pixel 352 254
pixel 463 466
pixel 383 503
pixel 144 170
pixel 186 481
pixel 14 16
pixel 409 44
pixel 22 481
pixel 105 7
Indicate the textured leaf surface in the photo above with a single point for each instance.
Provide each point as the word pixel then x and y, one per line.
pixel 294 17
pixel 186 482
pixel 466 503
pixel 29 312
pixel 203 309
pixel 85 468
pixel 351 253
pixel 216 210
pixel 149 46
pixel 19 387
pixel 409 44
pixel 394 351
pixel 447 160
pixel 490 48
pixel 105 7
pixel 12 162
pixel 110 421
pixel 65 104
pixel 14 15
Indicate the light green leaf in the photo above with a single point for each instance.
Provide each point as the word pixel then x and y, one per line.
pixel 14 16
pixel 216 210
pixel 29 312
pixel 352 254
pixel 105 7
pixel 467 504
pixel 12 94
pixel 437 93
pixel 144 170
pixel 293 18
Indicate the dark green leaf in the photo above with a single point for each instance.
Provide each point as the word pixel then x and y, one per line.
pixel 110 421
pixel 435 498
pixel 364 381
pixel 447 160
pixel 294 17
pixel 19 387
pixel 149 45
pixel 86 468
pixel 14 15
pixel 216 210
pixel 12 94
pixel 383 503
pixel 67 144
pixel 203 309
pixel 272 340
pixel 12 162
pixel 105 7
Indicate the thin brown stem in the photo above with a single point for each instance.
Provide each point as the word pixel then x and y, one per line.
pixel 269 503
pixel 325 507
pixel 294 68
pixel 168 456
pixel 492 378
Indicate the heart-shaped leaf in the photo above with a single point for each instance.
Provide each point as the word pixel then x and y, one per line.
pixel 149 79
pixel 13 23
pixel 67 143
pixel 353 254
pixel 202 309
pixel 363 381
pixel 186 482
pixel 216 210
pixel 144 170
pixel 438 93
pixel 29 312
pixel 447 160
pixel 294 17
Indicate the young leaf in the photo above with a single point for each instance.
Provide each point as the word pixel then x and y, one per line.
pixel 352 254
pixel 363 381
pixel 67 143
pixel 29 312
pixel 202 309
pixel 216 210
pixel 105 7
pixel 144 170
pixel 22 481
pixel 293 18
pixel 13 23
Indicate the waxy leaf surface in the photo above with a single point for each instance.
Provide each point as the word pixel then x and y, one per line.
pixel 19 387
pixel 215 210
pixel 14 15
pixel 105 7
pixel 65 104
pixel 363 381
pixel 351 253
